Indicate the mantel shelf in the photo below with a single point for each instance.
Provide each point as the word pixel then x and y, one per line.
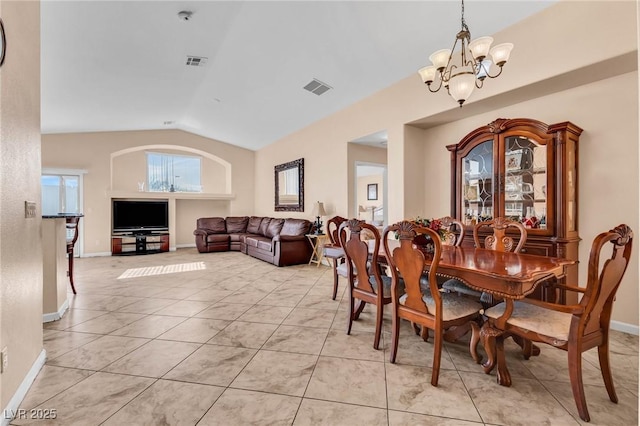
pixel 171 195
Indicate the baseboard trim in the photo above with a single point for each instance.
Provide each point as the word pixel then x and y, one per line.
pixel 55 316
pixel 14 403
pixel 625 328
pixel 97 254
pixel 185 245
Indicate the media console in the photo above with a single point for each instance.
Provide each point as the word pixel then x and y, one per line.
pixel 132 244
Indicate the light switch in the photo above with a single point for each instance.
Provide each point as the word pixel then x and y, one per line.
pixel 29 209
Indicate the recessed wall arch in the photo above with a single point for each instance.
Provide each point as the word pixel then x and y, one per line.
pixel 225 164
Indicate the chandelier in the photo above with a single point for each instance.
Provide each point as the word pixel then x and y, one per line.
pixel 461 75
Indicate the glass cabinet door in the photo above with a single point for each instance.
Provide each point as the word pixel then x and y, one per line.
pixel 525 181
pixel 477 183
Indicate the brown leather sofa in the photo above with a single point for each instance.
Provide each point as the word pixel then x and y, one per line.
pixel 281 242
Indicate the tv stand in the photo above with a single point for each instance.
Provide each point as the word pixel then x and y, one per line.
pixel 139 243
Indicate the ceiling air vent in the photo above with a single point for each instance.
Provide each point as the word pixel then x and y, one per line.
pixel 196 61
pixel 317 87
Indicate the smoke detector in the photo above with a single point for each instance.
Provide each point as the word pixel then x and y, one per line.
pixel 185 15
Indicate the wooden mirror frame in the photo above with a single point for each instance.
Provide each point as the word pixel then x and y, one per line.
pixel 299 207
pixel 3 43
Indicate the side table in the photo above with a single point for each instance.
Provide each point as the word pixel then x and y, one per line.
pixel 317 242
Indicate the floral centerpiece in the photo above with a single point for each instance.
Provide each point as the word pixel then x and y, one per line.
pixel 435 224
pixel 424 241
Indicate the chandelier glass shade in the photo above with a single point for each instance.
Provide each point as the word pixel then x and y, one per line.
pixel 461 71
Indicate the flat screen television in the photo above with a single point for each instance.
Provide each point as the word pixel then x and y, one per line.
pixel 140 216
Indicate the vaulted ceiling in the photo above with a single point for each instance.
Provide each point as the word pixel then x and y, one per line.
pixel 121 65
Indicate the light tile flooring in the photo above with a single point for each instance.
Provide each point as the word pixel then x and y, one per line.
pixel 246 343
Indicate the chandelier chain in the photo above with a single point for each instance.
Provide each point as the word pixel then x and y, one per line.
pixel 464 24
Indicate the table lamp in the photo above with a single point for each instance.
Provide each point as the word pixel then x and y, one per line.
pixel 318 210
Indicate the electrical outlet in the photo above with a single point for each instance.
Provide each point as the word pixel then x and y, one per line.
pixel 4 356
pixel 29 209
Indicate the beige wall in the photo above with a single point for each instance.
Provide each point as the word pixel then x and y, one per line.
pixel 566 52
pixel 93 151
pixel 20 242
pixel 608 164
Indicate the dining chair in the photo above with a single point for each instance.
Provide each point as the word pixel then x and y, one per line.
pixel 430 307
pixel 453 236
pixel 335 252
pixel 72 236
pixel 455 231
pixel 366 282
pixel 498 240
pixel 580 327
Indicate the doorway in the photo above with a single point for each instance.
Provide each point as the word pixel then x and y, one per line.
pixel 371 193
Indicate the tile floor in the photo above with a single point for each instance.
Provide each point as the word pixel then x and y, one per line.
pixel 245 343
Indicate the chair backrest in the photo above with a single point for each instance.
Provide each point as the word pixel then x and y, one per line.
pixel 407 261
pixel 499 240
pixel 603 281
pixel 357 253
pixel 455 229
pixel 333 225
pixel 72 229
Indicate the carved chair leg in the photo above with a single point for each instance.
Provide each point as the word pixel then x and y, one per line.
pixel 395 332
pixel 335 278
pixel 437 355
pixel 528 348
pixel 416 328
pixel 605 368
pixel 379 315
pixel 425 333
pixel 359 309
pixel 577 386
pixel 351 313
pixel 73 288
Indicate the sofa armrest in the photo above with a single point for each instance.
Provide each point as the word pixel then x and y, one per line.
pixel 285 238
pixel 203 232
pixel 291 250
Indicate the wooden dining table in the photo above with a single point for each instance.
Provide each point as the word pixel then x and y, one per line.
pixel 506 275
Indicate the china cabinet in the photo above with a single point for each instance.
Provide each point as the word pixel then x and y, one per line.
pixel 525 170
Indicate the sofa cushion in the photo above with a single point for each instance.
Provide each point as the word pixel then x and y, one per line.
pixel 264 225
pixel 237 225
pixel 253 226
pixel 264 245
pixel 258 241
pixel 251 240
pixel 214 224
pixel 275 226
pixel 295 227
pixel 237 238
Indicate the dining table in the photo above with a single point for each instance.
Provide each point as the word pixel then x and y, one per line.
pixel 506 275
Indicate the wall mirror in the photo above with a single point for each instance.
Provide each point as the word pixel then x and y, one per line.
pixel 289 180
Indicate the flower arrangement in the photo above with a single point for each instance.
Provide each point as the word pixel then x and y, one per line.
pixel 434 224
